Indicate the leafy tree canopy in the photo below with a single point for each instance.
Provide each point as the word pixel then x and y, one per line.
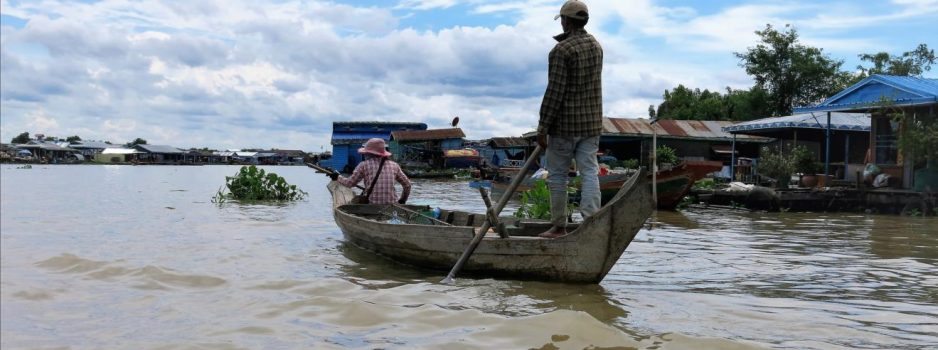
pixel 910 63
pixel 683 103
pixel 21 138
pixel 72 139
pixel 790 72
pixel 137 141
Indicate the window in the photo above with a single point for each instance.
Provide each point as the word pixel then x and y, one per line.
pixel 885 137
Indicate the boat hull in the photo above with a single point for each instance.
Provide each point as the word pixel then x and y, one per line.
pixel 583 256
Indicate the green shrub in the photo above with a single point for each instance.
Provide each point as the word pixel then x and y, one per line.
pixel 629 164
pixel 776 165
pixel 253 184
pixel 666 155
pixel 535 203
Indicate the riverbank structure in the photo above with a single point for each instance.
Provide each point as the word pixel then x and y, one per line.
pixel 896 104
pixel 425 147
pixel 348 137
pixel 850 138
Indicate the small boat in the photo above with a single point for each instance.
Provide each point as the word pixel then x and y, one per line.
pixel 412 235
pixel 672 183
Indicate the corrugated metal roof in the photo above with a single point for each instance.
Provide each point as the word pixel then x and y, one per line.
pixel 688 129
pixel 509 142
pixel 380 123
pixel 426 135
pixel 46 146
pixel 90 144
pixel 159 149
pixel 345 138
pixel 839 121
pixel 869 93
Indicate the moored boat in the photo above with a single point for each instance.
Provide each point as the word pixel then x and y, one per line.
pixel 672 183
pixel 408 235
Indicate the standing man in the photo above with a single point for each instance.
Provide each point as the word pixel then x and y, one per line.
pixel 572 115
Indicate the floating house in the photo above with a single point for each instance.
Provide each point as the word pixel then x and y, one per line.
pixel 160 154
pixel 507 151
pixel 117 155
pixel 50 152
pixel 290 156
pixel 90 148
pixel 348 137
pixel 850 138
pixel 631 138
pixel 894 103
pixel 425 146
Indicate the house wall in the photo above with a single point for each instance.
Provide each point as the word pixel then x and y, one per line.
pixel 884 142
pixel 449 144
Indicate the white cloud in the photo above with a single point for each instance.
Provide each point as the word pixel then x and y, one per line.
pixel 226 73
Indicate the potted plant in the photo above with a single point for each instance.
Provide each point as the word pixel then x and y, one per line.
pixel 776 166
pixel 919 138
pixel 807 165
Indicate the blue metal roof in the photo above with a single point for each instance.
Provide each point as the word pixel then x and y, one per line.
pixel 839 121
pixel 352 137
pixel 869 92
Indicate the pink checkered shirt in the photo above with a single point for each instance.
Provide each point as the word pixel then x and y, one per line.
pixel 384 192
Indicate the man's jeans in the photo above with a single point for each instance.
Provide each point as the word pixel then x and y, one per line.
pixel 561 150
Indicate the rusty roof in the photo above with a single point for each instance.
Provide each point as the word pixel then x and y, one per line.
pixel 427 135
pixel 711 130
pixel 509 142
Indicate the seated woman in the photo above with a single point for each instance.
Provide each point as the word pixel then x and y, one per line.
pixel 374 153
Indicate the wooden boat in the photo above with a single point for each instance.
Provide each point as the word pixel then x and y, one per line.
pixel 403 234
pixel 672 184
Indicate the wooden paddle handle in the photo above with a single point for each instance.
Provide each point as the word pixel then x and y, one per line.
pixel 496 210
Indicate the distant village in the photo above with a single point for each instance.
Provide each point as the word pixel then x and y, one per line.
pixel 849 142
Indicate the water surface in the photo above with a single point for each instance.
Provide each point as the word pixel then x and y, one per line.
pixel 137 257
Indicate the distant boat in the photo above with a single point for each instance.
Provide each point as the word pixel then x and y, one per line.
pixel 672 184
pixel 414 235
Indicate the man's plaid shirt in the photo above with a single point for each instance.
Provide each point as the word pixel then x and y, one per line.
pixel 384 192
pixel 573 102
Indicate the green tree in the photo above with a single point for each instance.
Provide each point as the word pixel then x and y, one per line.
pixel 742 105
pixel 791 73
pixel 691 104
pixel 73 139
pixel 910 63
pixel 137 141
pixel 737 105
pixel 21 138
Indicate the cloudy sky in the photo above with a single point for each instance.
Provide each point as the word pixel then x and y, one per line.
pixel 242 74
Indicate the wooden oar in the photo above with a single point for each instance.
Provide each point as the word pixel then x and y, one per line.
pixel 497 210
pixel 328 171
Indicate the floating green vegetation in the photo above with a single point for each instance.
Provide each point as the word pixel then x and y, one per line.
pixel 253 184
pixel 535 203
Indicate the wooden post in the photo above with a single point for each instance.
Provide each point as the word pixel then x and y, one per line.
pixel 846 153
pixel 654 162
pixel 827 148
pixel 733 160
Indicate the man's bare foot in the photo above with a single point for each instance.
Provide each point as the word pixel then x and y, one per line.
pixel 554 232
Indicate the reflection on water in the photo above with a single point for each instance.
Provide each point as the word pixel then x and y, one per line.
pixel 138 257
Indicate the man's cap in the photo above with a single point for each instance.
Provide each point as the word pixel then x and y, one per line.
pixel 574 9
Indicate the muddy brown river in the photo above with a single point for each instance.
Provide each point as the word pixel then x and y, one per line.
pixel 138 257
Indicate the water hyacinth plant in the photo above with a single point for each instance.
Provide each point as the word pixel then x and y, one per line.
pixel 535 203
pixel 253 184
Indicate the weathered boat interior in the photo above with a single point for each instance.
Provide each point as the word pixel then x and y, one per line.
pixel 423 215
